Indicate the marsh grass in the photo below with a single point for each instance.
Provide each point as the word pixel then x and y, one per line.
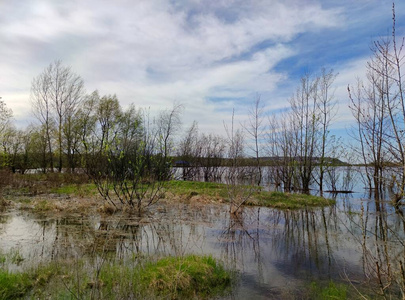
pixel 43 205
pixel 329 291
pixel 13 286
pixel 194 188
pixel 3 204
pixel 37 184
pixel 64 196
pixel 218 191
pixel 15 256
pixel 79 190
pixel 185 277
pixel 18 285
pixel 288 201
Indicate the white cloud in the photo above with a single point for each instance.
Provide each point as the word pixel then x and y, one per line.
pixel 155 52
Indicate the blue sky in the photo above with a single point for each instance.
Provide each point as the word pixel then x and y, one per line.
pixel 211 56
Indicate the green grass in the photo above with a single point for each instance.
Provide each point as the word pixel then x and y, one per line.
pixel 137 278
pixel 262 198
pixel 186 277
pixel 288 201
pixel 331 291
pixel 13 286
pixel 19 285
pixel 81 190
pixel 192 188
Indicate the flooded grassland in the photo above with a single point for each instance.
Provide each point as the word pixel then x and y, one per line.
pixel 73 247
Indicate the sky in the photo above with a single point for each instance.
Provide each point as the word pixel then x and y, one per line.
pixel 211 56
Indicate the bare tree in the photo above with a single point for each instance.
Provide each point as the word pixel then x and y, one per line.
pixel 299 137
pixel 255 129
pixel 41 106
pixel 305 120
pixel 283 150
pixel 6 116
pixel 327 111
pixel 212 149
pixel 388 63
pixel 189 151
pixel 169 123
pixel 55 96
pixel 240 184
pixel 108 113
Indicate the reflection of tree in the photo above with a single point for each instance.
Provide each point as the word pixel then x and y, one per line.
pixel 264 242
pixel 305 242
pixel 122 236
pixel 235 240
pixel 380 234
pixel 4 219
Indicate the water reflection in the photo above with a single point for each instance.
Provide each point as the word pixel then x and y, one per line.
pixel 277 253
pixel 379 230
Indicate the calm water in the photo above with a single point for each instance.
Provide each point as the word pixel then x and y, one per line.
pixel 277 253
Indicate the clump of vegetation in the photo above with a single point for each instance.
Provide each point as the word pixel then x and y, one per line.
pixel 288 200
pixel 12 285
pixel 43 206
pixel 331 291
pixel 185 276
pixel 32 281
pixel 3 204
pixel 172 277
pixel 15 256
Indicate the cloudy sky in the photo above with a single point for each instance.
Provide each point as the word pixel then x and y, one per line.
pixel 211 56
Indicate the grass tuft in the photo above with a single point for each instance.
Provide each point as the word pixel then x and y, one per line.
pixel 14 286
pixel 185 276
pixel 43 205
pixel 331 291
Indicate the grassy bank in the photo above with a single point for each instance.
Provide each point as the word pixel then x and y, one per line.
pixel 35 191
pixel 172 278
pixel 218 192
